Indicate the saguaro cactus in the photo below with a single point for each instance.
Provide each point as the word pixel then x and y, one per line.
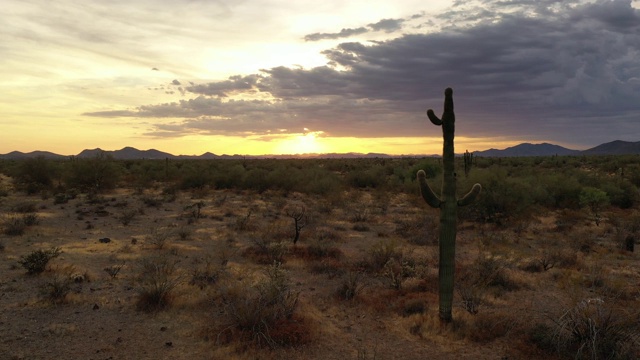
pixel 468 162
pixel 448 204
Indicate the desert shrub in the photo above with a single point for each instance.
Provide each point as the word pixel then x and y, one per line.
pixel 321 183
pixel 394 272
pixel 243 223
pixel 113 270
pixel 193 212
pixel 24 207
pixel 566 219
pixel 208 271
pixel 35 174
pixel 95 174
pixel 184 233
pixel 564 190
pixel 429 166
pixel 60 198
pixel 36 262
pixel 127 216
pixel 488 326
pixel 158 237
pixel 152 201
pixel 419 230
pixel 270 244
pixel 157 280
pixel 361 227
pixel 351 285
pixel 503 196
pixel 367 178
pixel 474 281
pixel 595 200
pixel 595 329
pixel 414 306
pixel 57 289
pixel 359 213
pixel 263 314
pixel 30 219
pixel 13 226
pixel 620 192
pixel 381 252
pixel 318 249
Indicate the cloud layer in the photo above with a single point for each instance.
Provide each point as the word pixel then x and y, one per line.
pixel 561 71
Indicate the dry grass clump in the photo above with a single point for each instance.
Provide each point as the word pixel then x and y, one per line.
pixel 57 289
pixel 351 285
pixel 594 328
pixel 158 237
pixel 157 280
pixel 16 225
pixel 263 314
pixel 270 244
pixel 208 271
pixel 418 230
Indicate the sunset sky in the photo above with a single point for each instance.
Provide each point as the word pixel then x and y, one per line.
pixel 284 77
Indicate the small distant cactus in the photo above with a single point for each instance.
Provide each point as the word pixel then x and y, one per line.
pixel 468 162
pixel 448 204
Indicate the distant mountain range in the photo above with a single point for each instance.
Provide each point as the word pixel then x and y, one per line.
pixel 617 147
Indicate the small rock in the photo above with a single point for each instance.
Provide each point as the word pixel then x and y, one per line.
pixel 168 344
pixel 105 240
pixel 164 328
pixel 96 307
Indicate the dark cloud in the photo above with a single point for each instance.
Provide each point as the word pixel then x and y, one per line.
pixel 549 70
pixel 235 84
pixel 342 34
pixel 387 25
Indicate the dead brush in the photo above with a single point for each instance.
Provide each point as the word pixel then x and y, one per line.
pixel 262 314
pixel 158 237
pixel 595 328
pixel 56 290
pixel 351 285
pixel 381 252
pixel 113 270
pixel 208 271
pixel 270 244
pixel 157 280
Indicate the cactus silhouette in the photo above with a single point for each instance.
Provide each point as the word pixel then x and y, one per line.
pixel 448 204
pixel 468 162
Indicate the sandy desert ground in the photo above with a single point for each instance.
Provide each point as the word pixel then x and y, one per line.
pixel 361 283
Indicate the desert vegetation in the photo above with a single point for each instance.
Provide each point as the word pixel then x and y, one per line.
pixel 317 259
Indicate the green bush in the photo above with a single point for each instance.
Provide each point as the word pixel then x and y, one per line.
pixel 36 262
pixel 95 174
pixel 35 174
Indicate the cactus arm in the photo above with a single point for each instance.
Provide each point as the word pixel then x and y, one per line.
pixel 470 196
pixel 434 119
pixel 427 194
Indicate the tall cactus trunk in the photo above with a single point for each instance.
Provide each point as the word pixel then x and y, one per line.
pixel 448 204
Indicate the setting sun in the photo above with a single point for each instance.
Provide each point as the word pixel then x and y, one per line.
pixel 305 143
